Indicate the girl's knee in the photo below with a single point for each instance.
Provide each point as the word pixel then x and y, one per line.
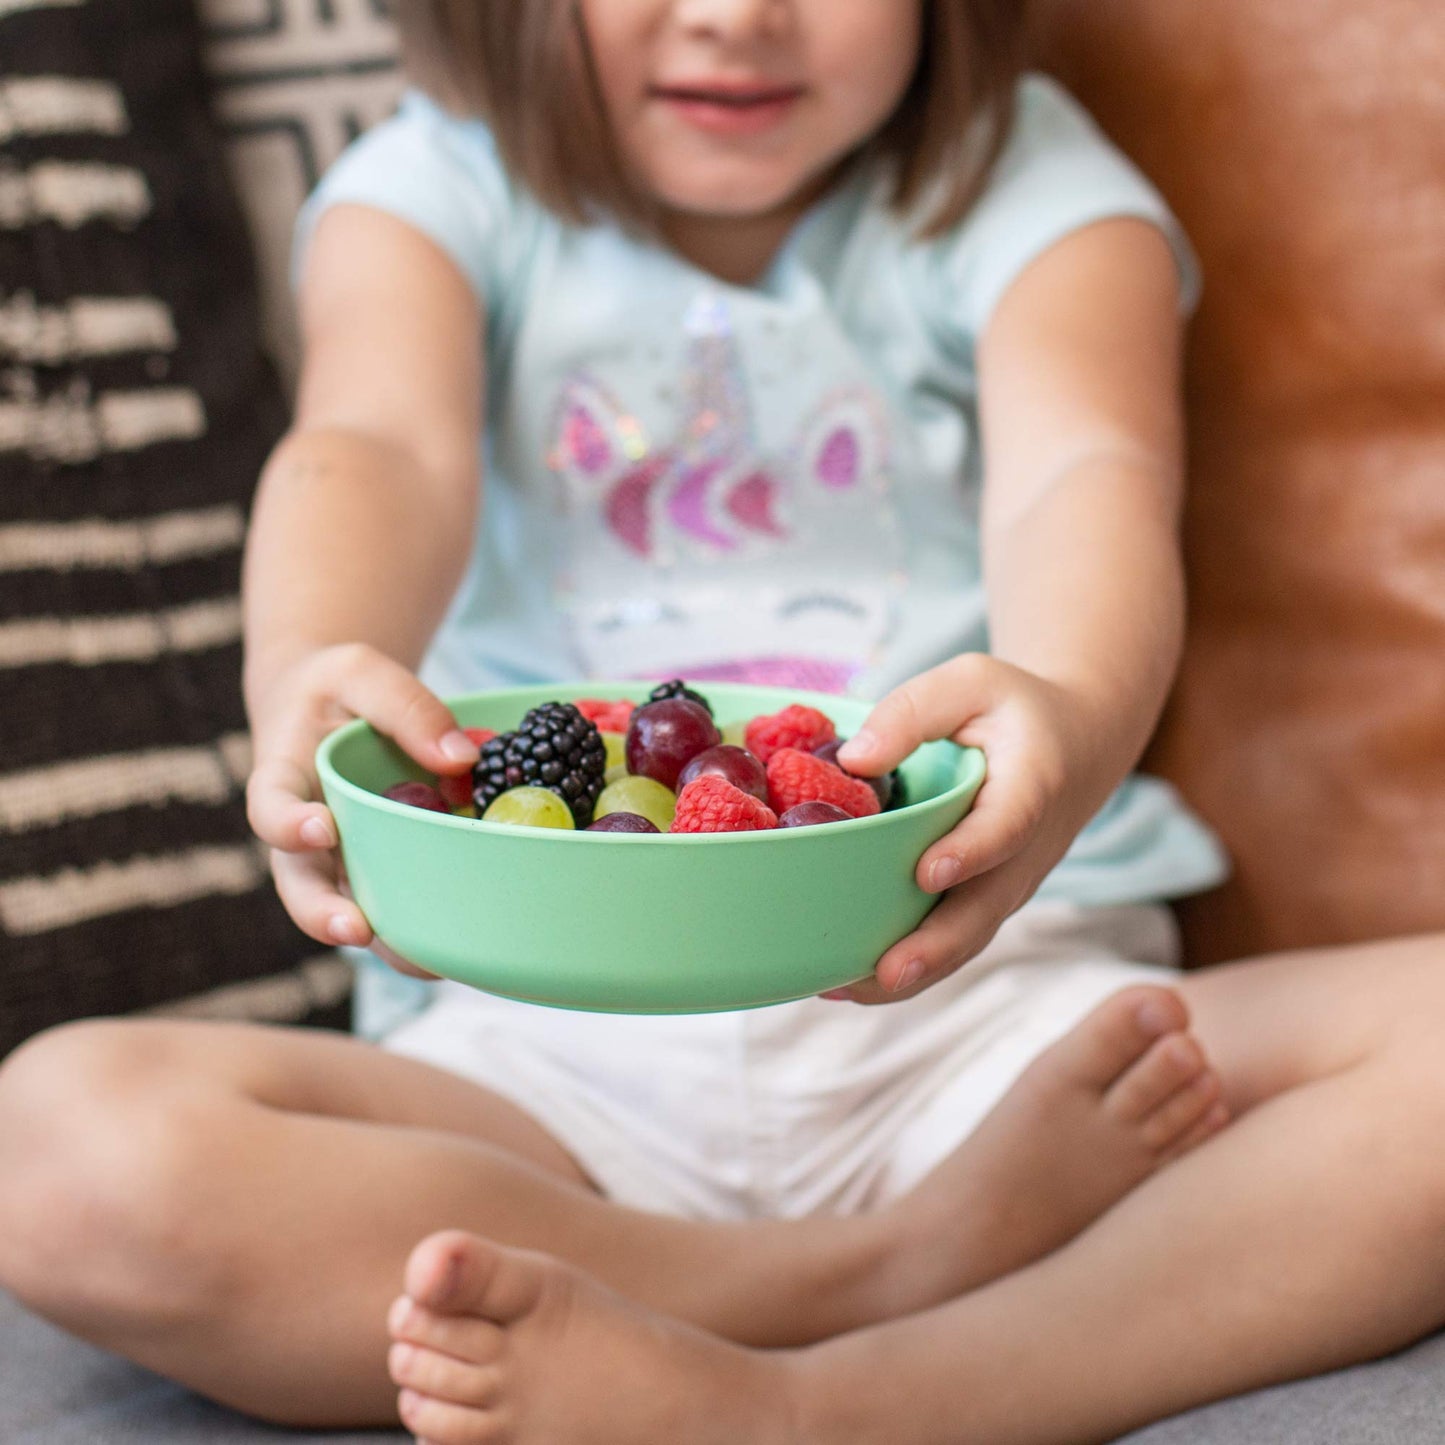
pixel 103 1162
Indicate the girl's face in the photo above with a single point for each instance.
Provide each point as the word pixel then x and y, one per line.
pixel 737 108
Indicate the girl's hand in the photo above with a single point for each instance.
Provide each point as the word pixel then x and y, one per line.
pixel 1043 784
pixel 302 704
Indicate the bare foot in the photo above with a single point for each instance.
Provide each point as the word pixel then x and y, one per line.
pixel 1128 1090
pixel 495 1345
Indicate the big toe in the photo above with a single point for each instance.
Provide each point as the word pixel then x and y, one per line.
pixel 1119 1032
pixel 458 1273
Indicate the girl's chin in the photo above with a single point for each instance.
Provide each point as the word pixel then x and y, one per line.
pixel 724 203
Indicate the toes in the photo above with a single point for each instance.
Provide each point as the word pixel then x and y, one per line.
pixel 443 1423
pixel 1215 1118
pixel 464 1337
pixel 458 1273
pixel 458 1382
pixel 1179 1113
pixel 1167 1066
pixel 1119 1031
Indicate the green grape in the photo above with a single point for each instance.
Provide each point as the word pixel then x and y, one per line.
pixel 735 734
pixel 616 745
pixel 530 808
pixel 644 796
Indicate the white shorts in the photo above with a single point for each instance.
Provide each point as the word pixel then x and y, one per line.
pixel 815 1107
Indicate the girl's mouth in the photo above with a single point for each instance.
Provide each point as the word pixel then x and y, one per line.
pixel 733 110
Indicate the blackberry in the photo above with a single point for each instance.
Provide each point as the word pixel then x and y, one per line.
pixel 677 688
pixel 554 747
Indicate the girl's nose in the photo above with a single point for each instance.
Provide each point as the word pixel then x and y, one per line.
pixel 728 19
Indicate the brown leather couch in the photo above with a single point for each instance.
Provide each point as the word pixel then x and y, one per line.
pixel 1302 142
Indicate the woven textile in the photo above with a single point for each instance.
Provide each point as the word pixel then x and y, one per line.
pixel 136 409
pixel 293 82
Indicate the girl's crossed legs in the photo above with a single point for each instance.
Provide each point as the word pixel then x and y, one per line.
pixel 1308 1235
pixel 233 1206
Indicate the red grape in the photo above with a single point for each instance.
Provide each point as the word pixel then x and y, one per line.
pixel 622 823
pixel 417 795
pixel 804 815
pixel 737 765
pixel 665 736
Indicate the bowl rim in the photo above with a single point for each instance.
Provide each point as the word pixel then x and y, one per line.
pixel 331 777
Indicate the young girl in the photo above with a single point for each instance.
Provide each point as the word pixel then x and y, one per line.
pixel 785 324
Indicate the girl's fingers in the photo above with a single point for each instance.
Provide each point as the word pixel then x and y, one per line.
pixel 354 681
pixel 936 704
pixel 372 685
pixel 280 810
pixel 307 885
pixel 400 964
pixel 957 929
pixel 1005 816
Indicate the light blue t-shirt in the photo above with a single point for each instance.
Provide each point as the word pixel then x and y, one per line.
pixel 776 483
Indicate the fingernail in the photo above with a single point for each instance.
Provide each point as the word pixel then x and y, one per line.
pixel 317 832
pixel 343 930
pixel 458 747
pixel 859 745
pixel 398 1314
pixel 944 874
pixel 912 972
pixel 1154 1019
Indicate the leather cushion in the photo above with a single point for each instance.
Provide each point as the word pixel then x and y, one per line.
pixel 1302 143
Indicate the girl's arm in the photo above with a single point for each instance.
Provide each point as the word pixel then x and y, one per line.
pixel 361 531
pixel 1083 435
pixel 1079 376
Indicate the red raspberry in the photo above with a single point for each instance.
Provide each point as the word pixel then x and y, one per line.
pixel 796 726
pixel 457 791
pixel 797 777
pixel 710 804
pixel 611 715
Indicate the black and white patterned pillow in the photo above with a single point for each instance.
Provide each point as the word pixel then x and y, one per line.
pixel 136 409
pixel 293 83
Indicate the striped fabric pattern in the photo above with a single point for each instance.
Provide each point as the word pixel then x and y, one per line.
pixel 293 82
pixel 136 409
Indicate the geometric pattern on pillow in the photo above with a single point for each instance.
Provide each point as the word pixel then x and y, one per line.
pixel 137 406
pixel 293 82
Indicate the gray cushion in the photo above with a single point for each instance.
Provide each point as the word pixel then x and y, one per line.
pixel 1395 1401
pixel 55 1391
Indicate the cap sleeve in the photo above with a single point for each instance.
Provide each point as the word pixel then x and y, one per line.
pixel 441 175
pixel 1056 174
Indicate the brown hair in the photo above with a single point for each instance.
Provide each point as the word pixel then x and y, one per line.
pixel 523 65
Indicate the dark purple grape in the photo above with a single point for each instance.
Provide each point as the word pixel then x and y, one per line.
pixel 883 786
pixel 665 736
pixel 621 823
pixel 804 815
pixel 737 765
pixel 417 795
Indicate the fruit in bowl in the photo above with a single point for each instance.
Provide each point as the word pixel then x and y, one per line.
pixel 720 908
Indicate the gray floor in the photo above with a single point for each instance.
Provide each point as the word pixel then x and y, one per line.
pixel 54 1391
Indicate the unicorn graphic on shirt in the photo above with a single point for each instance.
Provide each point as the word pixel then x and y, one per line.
pixel 710 555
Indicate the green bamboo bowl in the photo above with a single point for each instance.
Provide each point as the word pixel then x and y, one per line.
pixel 627 923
